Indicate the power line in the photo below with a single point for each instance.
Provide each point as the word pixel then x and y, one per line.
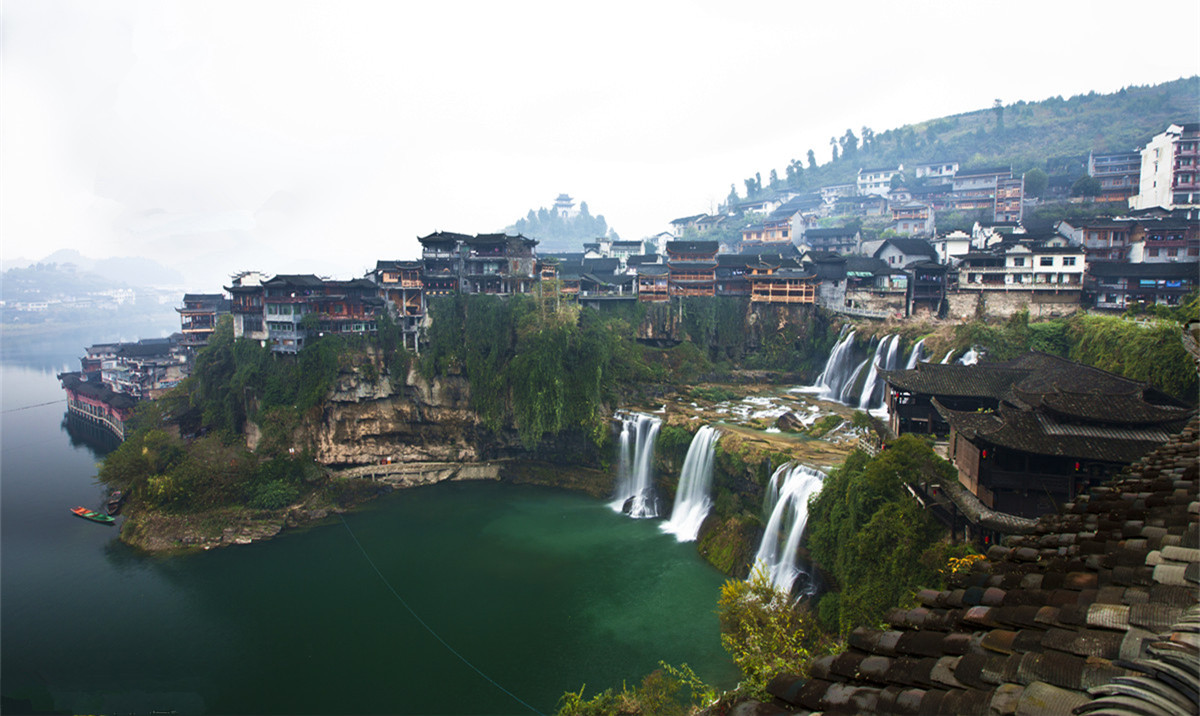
pixel 429 629
pixel 35 405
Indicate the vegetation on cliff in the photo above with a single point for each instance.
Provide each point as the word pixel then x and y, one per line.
pixel 541 365
pixel 877 542
pixel 1140 347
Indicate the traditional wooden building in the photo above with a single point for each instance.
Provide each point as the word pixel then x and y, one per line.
pixel 399 284
pixel 926 288
pixel 1031 433
pixel 653 283
pixel 692 267
pixel 199 315
pixel 498 264
pixel 247 306
pixel 346 306
pixel 97 403
pixel 770 284
pixel 731 273
pixel 839 240
pixel 441 263
pixel 1118 285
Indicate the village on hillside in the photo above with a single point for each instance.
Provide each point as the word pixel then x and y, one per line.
pixel 1148 255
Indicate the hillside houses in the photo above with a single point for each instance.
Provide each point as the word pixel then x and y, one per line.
pixel 830 246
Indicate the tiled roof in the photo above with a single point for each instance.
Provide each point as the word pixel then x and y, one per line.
pixel 1095 611
pixel 910 247
pixel 693 246
pixel 957 380
pixel 97 390
pixel 1033 432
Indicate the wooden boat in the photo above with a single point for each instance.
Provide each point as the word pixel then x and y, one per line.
pixel 92 515
pixel 115 500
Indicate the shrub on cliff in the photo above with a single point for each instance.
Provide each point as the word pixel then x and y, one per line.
pixel 1144 351
pixel 766 632
pixel 876 541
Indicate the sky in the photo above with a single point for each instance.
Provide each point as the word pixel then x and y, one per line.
pixel 288 136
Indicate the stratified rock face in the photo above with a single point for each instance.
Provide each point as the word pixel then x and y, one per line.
pixel 368 423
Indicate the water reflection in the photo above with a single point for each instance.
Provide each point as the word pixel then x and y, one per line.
pixel 85 433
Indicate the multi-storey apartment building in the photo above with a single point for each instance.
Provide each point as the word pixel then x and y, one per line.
pixel 1118 174
pixel 1010 198
pixel 1170 169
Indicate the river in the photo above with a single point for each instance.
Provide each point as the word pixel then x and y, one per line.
pixel 541 590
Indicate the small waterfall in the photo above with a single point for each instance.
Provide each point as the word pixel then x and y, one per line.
pixel 831 381
pixel 947 358
pixel 845 393
pixel 971 357
pixel 635 466
pixel 872 393
pixel 772 492
pixel 915 355
pixel 776 555
pixel 692 498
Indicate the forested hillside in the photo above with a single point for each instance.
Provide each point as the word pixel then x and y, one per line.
pixel 1054 135
pixel 559 233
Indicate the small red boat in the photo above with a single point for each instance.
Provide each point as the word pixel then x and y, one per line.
pixel 92 515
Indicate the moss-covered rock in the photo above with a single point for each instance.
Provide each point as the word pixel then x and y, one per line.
pixel 730 544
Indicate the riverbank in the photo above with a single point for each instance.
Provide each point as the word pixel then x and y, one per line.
pixel 160 531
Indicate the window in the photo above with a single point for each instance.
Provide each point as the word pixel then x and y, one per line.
pixel 1046 261
pixel 1152 252
pixel 1172 252
pixel 1019 261
pixel 1068 261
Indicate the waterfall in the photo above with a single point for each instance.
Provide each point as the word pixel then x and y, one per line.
pixel 871 395
pixel 971 357
pixel 831 380
pixel 915 355
pixel 843 395
pixel 635 466
pixel 772 494
pixel 692 500
pixel 947 358
pixel 776 555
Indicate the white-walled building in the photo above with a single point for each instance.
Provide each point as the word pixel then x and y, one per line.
pixel 877 181
pixel 1170 175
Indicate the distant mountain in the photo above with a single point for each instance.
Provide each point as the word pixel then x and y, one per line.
pixel 1054 135
pixel 129 271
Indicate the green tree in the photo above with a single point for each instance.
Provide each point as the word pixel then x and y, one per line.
pixel 1086 186
pixel 1036 181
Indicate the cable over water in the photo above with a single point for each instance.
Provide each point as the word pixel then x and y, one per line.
pixel 428 628
pixel 35 405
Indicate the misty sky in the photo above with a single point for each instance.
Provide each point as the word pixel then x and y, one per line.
pixel 290 136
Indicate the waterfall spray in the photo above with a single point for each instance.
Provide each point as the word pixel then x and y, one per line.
pixel 776 557
pixel 915 355
pixel 635 466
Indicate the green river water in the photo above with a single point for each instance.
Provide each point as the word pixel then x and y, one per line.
pixel 542 590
